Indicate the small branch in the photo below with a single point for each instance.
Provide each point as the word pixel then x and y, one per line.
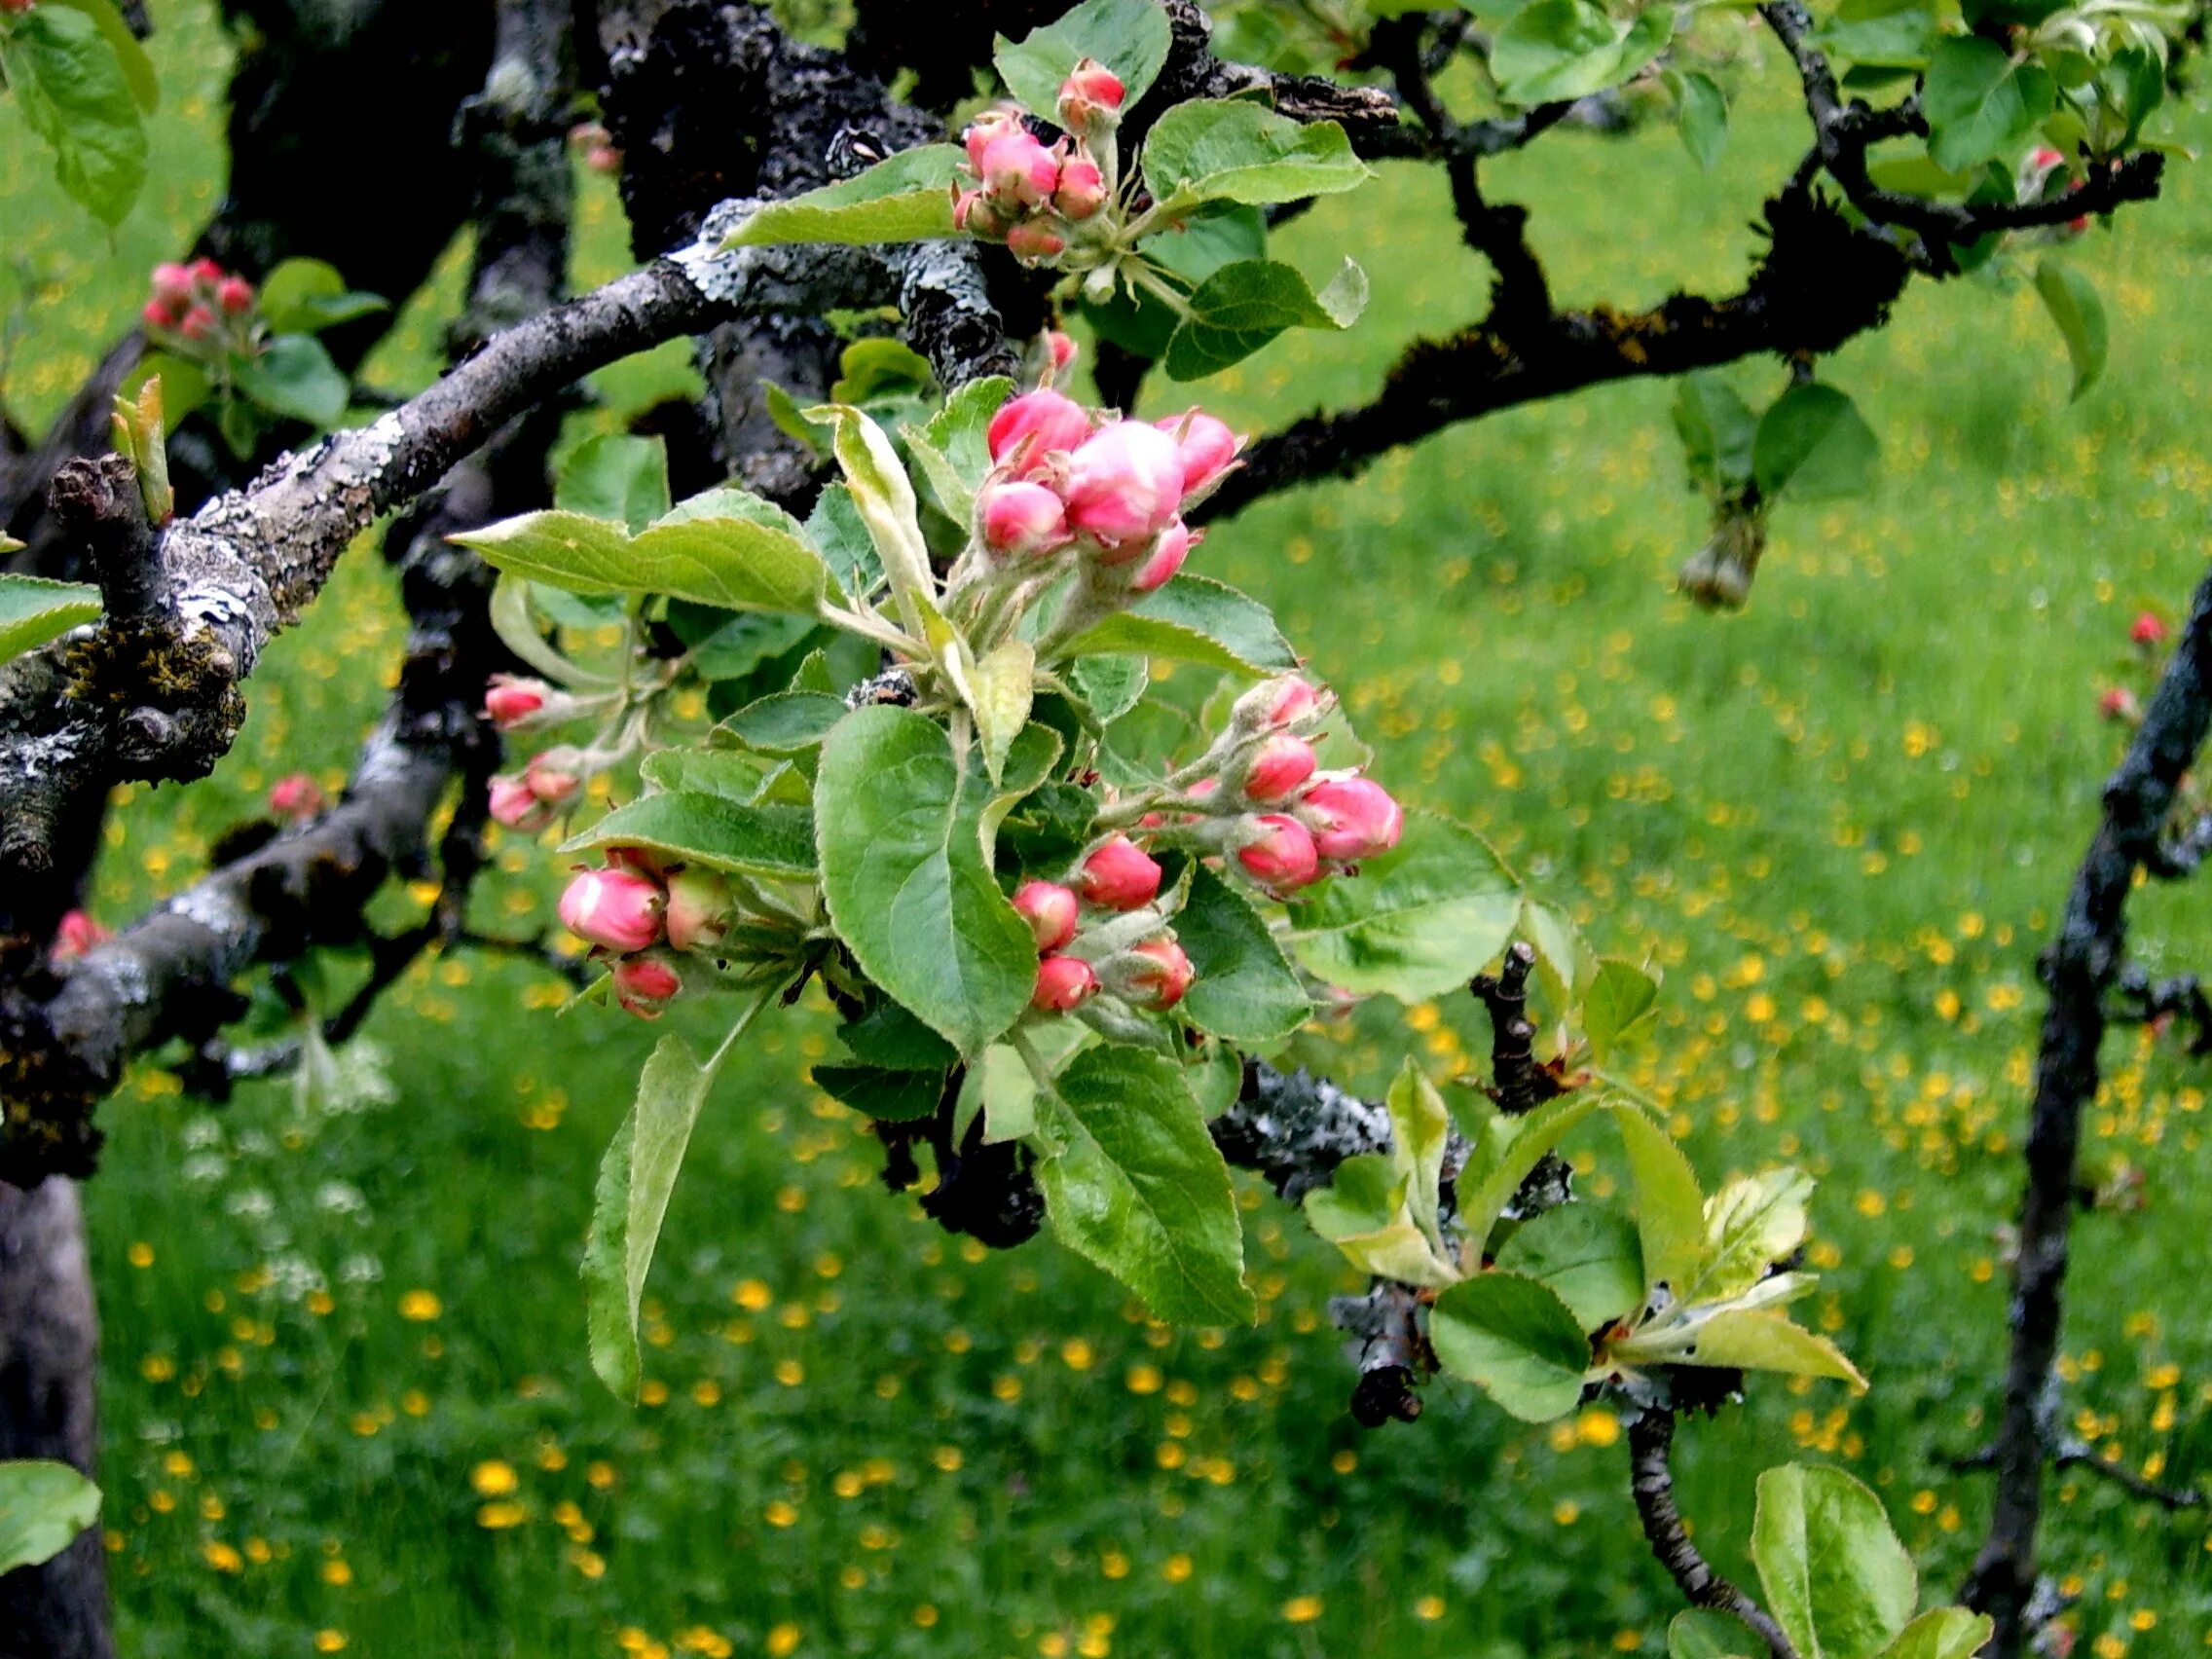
pixel 2071 1453
pixel 2080 967
pixel 1651 1482
pixel 1514 1083
pixel 2137 999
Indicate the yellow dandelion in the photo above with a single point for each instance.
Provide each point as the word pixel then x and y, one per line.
pixel 1303 1610
pixel 492 1478
pixel 421 1306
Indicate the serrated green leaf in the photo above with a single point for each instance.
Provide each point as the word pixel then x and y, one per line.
pixel 1941 1633
pixel 894 1096
pixel 1554 49
pixel 1234 150
pixel 76 97
pixel 1702 1633
pixel 1193 619
pixel 1244 992
pixel 1588 1254
pixel 776 843
pixel 295 376
pixel 1000 687
pixel 1111 686
pixel 1813 441
pixel 613 475
pixel 1420 919
pixel 1749 1224
pixel 1896 34
pixel 42 1507
pixel 1514 1338
pixel 1670 1210
pixel 34 610
pixel 1701 115
pixel 1717 428
pixel 905 874
pixel 1243 307
pixel 2071 297
pixel 736 563
pixel 903 198
pixel 1980 106
pixel 1511 1148
pixel 1140 1188
pixel 705 771
pixel 1836 1578
pixel 1757 1340
pixel 1621 997
pixel 783 723
pixel 304 296
pixel 1130 37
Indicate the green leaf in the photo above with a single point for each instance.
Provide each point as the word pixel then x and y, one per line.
pixel 1420 1128
pixel 1130 37
pixel 1941 1633
pixel 304 296
pixel 1234 150
pixel 2071 298
pixel 1670 1210
pixel 895 1096
pixel 1111 686
pixel 130 56
pixel 883 497
pixel 1000 1089
pixel 1701 1633
pixel 1241 307
pixel 1511 1148
pixel 1142 322
pixel 952 445
pixel 1717 428
pixel 1365 1194
pixel 295 376
pixel 1979 106
pixel 635 1180
pixel 1515 1338
pixel 1193 619
pixel 1588 1254
pixel 733 561
pixel 902 198
pixel 1554 49
pixel 1896 34
pixel 1563 960
pixel 1814 441
pixel 1836 1578
pixel 877 368
pixel 613 475
pixel 1244 991
pixel 1140 1188
pixel 1621 997
pixel 785 722
pixel 42 1507
pixel 836 526
pixel 905 874
pixel 34 610
pixel 184 383
pixel 1749 1224
pixel 76 97
pixel 1000 687
pixel 776 843
pixel 1420 921
pixel 1701 115
pixel 1752 1339
pixel 705 771
pixel 892 1039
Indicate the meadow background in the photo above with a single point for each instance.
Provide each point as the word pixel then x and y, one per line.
pixel 345 1401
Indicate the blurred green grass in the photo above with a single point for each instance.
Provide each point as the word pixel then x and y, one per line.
pixel 344 1394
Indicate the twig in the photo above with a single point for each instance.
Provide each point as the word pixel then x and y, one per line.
pixel 1651 1482
pixel 2071 1453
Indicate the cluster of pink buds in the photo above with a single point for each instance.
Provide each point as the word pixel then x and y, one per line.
pixel 296 796
pixel 1041 199
pixel 527 800
pixel 1105 935
pixel 201 305
pixel 597 146
pixel 640 911
pixel 514 702
pixel 77 933
pixel 1113 489
pixel 2149 629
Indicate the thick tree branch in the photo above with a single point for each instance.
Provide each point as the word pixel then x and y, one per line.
pixel 2079 967
pixel 1651 1482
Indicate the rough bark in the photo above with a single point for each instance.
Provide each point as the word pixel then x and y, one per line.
pixel 1651 1482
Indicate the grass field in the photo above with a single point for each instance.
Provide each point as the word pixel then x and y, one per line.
pixel 346 1404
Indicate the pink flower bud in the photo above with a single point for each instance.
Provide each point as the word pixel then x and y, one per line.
pixel 2117 703
pixel 199 324
pixel 617 908
pixel 1123 486
pixel 1063 350
pixel 1021 518
pixel 1063 982
pixel 1280 702
pixel 1352 818
pixel 1015 167
pixel 2044 156
pixel 1050 911
pixel 972 213
pixel 1278 768
pixel 2147 629
pixel 509 700
pixel 1037 424
pixel 549 783
pixel 1033 241
pixel 1091 98
pixel 75 936
pixel 515 804
pixel 1082 190
pixel 1284 857
pixel 158 315
pixel 205 270
pixel 1166 558
pixel 994 123
pixel 699 908
pixel 1206 445
pixel 296 796
pixel 604 158
pixel 235 294
pixel 173 285
pixel 1119 876
pixel 646 986
pixel 1154 974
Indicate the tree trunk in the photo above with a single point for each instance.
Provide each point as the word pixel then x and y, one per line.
pixel 49 1352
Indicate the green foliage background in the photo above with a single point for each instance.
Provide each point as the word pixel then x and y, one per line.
pixel 1842 821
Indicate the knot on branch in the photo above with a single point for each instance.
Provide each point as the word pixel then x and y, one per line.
pixel 1823 279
